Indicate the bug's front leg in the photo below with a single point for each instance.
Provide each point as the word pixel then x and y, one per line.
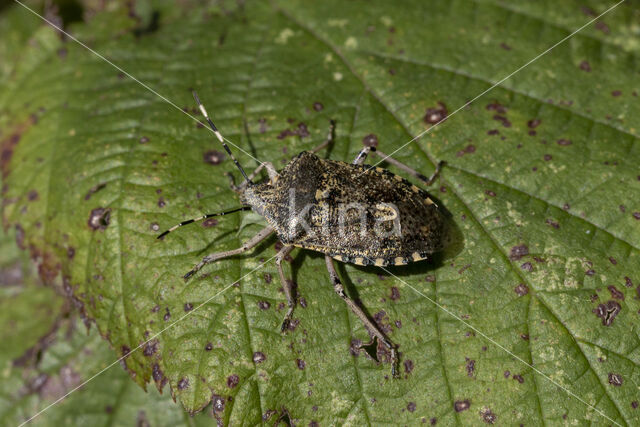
pixel 368 324
pixel 262 234
pixel 271 171
pixel 286 286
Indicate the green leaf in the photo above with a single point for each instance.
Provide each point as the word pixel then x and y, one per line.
pixel 541 178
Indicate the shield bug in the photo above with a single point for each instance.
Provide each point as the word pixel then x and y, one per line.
pixel 350 212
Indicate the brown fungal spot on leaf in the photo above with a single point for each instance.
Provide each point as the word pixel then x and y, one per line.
pixel 20 236
pixel 502 119
pixel 627 282
pixel 461 405
pixel 636 215
pixel 395 294
pixel 518 378
pixel 497 107
pixel 99 218
pixel 585 66
pixel 209 222
pixel 209 346
pixel 590 272
pixel 564 142
pixel 408 366
pixel 534 123
pixel 615 293
pixel 607 312
pixel 488 416
pixel 158 376
pixel 615 380
pixel 318 106
pixel 233 380
pixel 183 383
pixel 154 226
pixel 259 357
pixel 505 46
pixel 150 348
pixel 301 364
pixel 436 114
pixel 527 266
pixel 32 195
pixel 264 305
pixel 144 140
pixel 616 93
pixel 547 157
pixel 213 157
pixel 634 404
pixel 370 140
pixel 268 278
pixel 521 289
pixel 518 252
pixel 217 403
pixel 490 193
pixel 188 307
pixel 411 406
pixel 71 252
pixel 492 132
pixel 552 223
pixel 602 27
pixel 469 149
pixel 167 314
pixel 161 202
pixel 470 367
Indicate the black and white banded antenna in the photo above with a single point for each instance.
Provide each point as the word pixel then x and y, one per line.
pixel 189 221
pixel 220 137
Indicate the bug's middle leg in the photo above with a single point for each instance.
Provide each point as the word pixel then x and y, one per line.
pixel 330 137
pixel 262 234
pixel 368 324
pixel 286 286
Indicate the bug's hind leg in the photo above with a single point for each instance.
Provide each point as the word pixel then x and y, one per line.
pixel 330 137
pixel 262 234
pixel 368 324
pixel 407 169
pixel 286 286
pixel 362 155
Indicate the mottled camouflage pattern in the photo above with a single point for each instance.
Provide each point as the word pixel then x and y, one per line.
pixel 319 187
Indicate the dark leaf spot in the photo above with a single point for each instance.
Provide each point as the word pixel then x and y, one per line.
pixel 493 132
pixel 627 282
pixel 547 157
pixel 150 348
pixel 490 193
pixel 411 406
pixel 395 293
pixel 615 379
pixel 518 378
pixel 267 277
pixel 208 347
pixel 232 380
pixel 552 223
pixel 301 364
pixel 318 106
pixel 521 289
pixel 218 403
pixel 188 307
pixel 616 93
pixel 436 114
pixel 564 142
pixel 636 215
pixel 154 226
pixel 518 252
pixel 99 218
pixel 161 202
pixel 370 140
pixel 263 305
pixel 527 266
pixel 507 374
pixel 615 293
pixel 183 383
pixel 471 367
pixel 71 252
pixel 607 312
pixel 144 140
pixel 167 315
pixel 497 107
pixel 634 404
pixel 461 405
pixel 585 66
pixel 502 119
pixel 469 149
pixel 488 416
pixel 209 222
pixel 259 357
pixel 505 46
pixel 408 366
pixel 213 157
pixel 534 123
pixel 32 195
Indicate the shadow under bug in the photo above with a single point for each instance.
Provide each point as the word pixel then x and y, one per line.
pixel 350 212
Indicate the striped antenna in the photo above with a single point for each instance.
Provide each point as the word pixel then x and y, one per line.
pixel 189 221
pixel 220 137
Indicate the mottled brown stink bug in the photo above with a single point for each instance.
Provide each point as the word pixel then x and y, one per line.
pixel 352 213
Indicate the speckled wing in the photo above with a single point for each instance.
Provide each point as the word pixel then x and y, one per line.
pixel 360 214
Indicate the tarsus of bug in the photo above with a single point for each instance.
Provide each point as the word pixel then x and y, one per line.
pixel 220 138
pixel 189 221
